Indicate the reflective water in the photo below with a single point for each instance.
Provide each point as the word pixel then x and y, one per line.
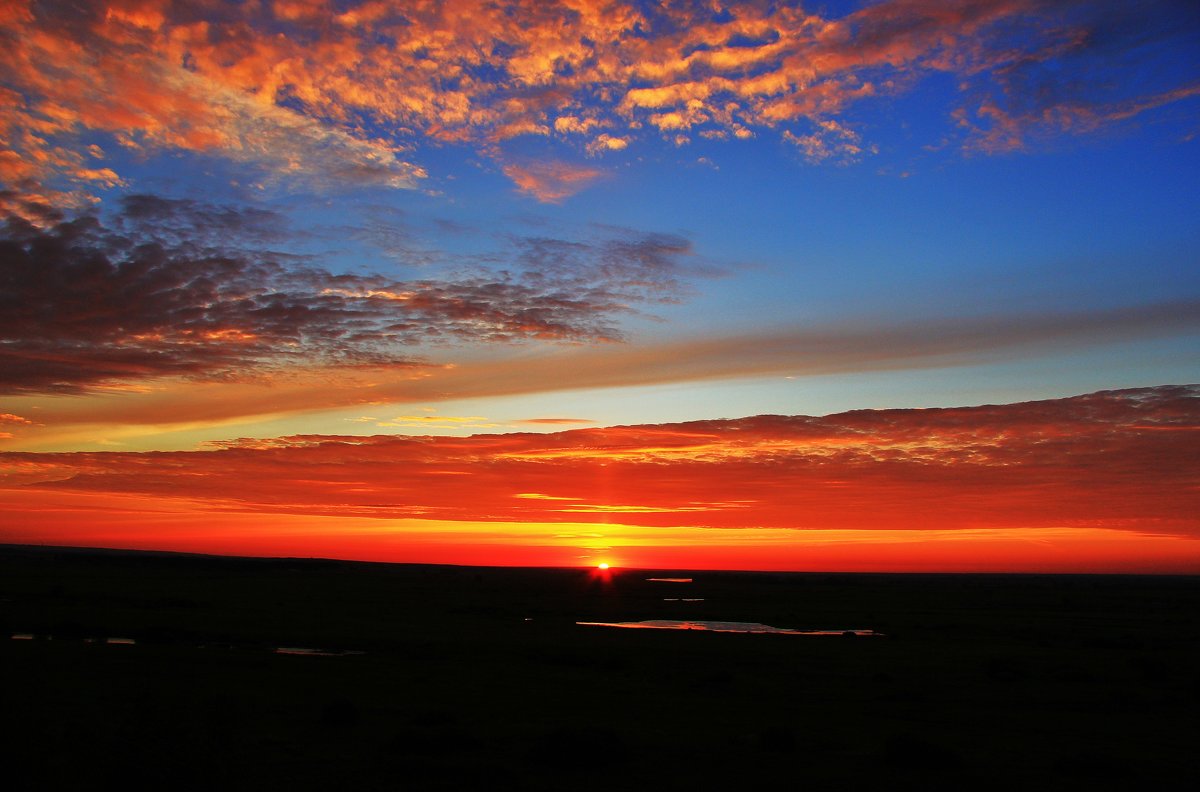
pixel 723 626
pixel 116 641
pixel 302 650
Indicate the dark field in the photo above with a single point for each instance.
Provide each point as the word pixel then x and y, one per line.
pixel 479 678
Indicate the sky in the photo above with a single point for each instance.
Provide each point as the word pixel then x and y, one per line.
pixel 908 285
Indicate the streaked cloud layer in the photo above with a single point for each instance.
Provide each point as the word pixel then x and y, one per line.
pixel 1013 470
pixel 1036 464
pixel 266 386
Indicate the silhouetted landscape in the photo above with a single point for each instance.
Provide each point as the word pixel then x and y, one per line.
pixel 126 667
pixel 436 353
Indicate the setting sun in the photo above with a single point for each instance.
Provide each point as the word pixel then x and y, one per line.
pixel 602 565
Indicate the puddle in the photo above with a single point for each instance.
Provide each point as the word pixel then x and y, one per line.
pixel 116 641
pixel 301 650
pixel 724 626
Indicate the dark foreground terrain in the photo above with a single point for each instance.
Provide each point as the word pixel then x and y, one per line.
pixel 480 678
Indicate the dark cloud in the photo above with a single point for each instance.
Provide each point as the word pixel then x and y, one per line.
pixel 389 230
pixel 181 287
pixel 189 220
pixel 641 266
pixel 1095 65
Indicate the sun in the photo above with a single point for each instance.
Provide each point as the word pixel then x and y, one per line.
pixel 602 565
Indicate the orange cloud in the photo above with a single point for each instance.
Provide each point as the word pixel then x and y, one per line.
pixel 1033 464
pixel 1021 476
pixel 605 142
pixel 829 141
pixel 569 124
pixel 283 86
pixel 551 181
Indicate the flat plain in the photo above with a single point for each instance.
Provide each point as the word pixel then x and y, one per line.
pixel 149 668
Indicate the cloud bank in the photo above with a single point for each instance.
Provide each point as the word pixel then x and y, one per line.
pixel 1034 465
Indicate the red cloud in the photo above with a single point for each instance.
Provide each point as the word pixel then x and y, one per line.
pixel 1022 466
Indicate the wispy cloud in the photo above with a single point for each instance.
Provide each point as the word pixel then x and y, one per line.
pixel 796 352
pixel 999 129
pixel 434 421
pixel 553 421
pixel 802 351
